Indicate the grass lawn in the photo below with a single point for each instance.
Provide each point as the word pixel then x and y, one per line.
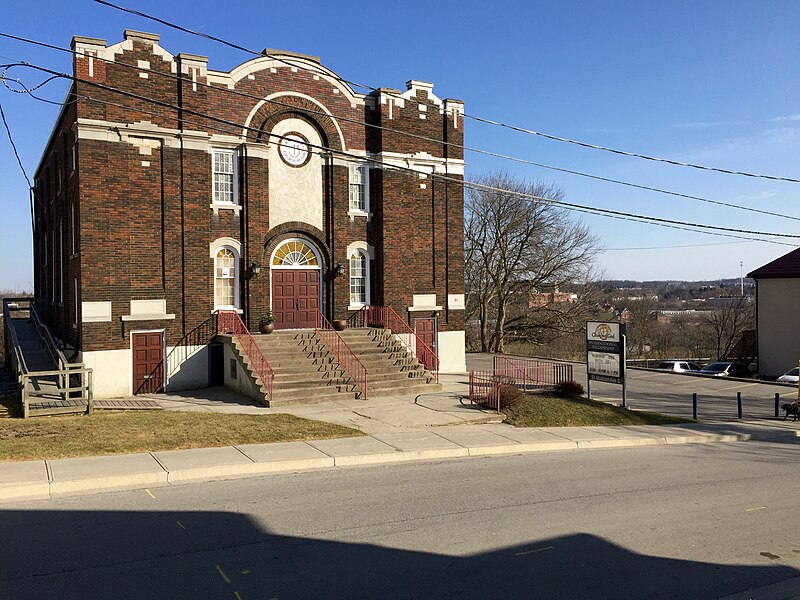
pixel 540 410
pixel 145 430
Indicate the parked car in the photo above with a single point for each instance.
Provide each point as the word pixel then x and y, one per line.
pixel 790 377
pixel 677 366
pixel 726 369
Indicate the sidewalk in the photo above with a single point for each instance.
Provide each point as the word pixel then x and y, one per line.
pixel 52 478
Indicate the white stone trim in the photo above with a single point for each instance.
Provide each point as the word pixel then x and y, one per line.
pixel 260 103
pixel 214 246
pixel 236 248
pixel 413 85
pixel 421 162
pixel 263 63
pixel 95 312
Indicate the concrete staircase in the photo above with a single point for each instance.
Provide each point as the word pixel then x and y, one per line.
pixel 306 372
pixel 392 368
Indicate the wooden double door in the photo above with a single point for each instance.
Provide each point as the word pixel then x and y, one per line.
pixel 295 297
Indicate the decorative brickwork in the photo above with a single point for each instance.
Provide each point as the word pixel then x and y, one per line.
pixel 140 206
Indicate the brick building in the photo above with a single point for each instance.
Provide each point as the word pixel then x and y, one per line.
pixel 168 190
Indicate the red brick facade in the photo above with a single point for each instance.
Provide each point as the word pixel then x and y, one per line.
pixel 142 187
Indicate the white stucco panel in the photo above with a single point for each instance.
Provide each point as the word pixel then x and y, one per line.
pixel 295 193
pixel 451 352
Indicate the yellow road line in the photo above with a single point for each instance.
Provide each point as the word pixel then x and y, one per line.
pixel 181 525
pixel 149 493
pixel 238 597
pixel 221 572
pixel 756 508
pixel 534 550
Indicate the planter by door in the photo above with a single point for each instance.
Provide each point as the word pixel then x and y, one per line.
pixel 339 324
pixel 266 328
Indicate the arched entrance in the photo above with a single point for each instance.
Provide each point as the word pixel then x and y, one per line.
pixel 295 269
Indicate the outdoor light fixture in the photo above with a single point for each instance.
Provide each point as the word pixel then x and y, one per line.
pixel 339 269
pixel 253 270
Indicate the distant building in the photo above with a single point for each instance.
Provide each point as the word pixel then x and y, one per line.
pixel 539 299
pixel 778 314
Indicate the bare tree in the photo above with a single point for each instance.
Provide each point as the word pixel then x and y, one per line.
pixel 517 241
pixel 723 327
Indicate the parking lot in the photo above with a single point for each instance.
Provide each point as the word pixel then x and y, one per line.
pixel 671 393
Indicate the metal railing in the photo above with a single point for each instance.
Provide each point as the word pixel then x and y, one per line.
pixel 523 373
pixel 229 321
pixel 346 358
pixel 387 318
pixel 530 374
pixel 484 388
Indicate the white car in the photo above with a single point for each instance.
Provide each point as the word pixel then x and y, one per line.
pixel 677 366
pixel 790 377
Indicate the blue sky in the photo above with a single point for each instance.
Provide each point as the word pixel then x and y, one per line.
pixel 711 82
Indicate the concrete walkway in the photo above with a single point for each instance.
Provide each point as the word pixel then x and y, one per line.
pixel 435 426
pixel 51 478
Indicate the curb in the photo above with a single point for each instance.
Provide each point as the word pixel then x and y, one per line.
pixel 234 462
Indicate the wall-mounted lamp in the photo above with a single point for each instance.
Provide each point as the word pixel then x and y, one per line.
pixel 339 269
pixel 253 270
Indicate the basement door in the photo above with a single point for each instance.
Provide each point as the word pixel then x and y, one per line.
pixel 295 296
pixel 426 332
pixel 148 362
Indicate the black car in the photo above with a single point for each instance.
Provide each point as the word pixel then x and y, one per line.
pixel 726 369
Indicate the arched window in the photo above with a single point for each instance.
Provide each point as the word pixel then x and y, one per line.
pixel 359 279
pixel 295 254
pixel 226 278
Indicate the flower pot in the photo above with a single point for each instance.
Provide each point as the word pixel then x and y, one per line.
pixel 266 327
pixel 339 324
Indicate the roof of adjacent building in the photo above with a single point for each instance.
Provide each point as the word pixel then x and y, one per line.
pixel 787 265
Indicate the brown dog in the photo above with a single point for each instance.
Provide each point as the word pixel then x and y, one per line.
pixel 791 409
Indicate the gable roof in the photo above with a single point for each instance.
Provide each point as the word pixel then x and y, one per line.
pixel 787 265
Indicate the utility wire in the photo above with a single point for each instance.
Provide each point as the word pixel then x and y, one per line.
pixel 711 229
pixel 14 146
pixel 466 115
pixel 404 133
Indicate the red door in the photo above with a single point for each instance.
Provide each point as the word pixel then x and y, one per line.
pixel 295 296
pixel 148 362
pixel 426 332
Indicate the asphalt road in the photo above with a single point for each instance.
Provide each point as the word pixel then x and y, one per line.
pixel 671 393
pixel 699 521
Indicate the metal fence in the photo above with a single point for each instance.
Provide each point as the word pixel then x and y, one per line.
pixel 524 373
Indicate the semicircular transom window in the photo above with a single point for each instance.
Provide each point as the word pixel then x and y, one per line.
pixel 295 253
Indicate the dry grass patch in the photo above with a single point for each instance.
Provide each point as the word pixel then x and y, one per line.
pixel 147 431
pixel 541 410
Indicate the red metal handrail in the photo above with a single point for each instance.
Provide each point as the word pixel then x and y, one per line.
pixel 537 374
pixel 346 358
pixel 387 317
pixel 484 388
pixel 229 321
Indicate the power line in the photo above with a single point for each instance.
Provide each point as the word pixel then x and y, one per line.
pixel 408 134
pixel 670 247
pixel 474 117
pixel 709 229
pixel 14 146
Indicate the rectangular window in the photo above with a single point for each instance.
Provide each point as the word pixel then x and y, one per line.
pixel 233 368
pixel 224 171
pixel 58 182
pixel 358 188
pixel 74 157
pixel 225 279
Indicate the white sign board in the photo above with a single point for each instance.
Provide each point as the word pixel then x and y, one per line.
pixel 604 363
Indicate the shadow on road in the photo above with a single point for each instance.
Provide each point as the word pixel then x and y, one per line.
pixel 174 555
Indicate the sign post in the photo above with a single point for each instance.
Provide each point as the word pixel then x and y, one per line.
pixel 606 355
